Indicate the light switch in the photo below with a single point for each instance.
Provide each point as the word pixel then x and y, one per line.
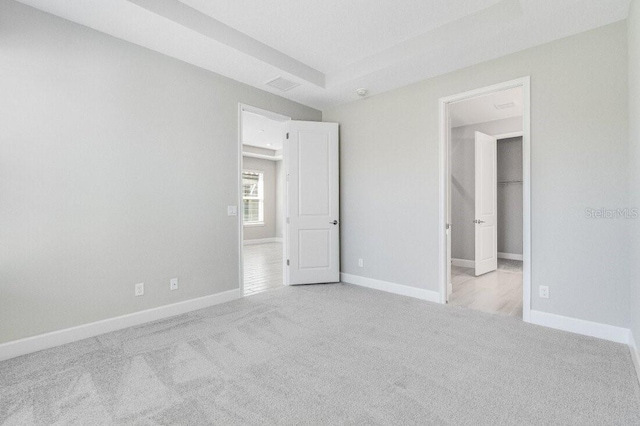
pixel 232 210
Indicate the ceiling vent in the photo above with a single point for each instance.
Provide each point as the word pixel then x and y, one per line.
pixel 282 84
pixel 505 106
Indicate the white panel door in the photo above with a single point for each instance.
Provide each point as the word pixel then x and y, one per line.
pixel 313 228
pixel 486 204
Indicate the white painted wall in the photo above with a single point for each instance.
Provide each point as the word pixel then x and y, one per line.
pixel 268 168
pixel 634 167
pixel 579 148
pixel 117 165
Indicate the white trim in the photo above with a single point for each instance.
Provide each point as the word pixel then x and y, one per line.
pixel 510 256
pixel 265 113
pixel 579 326
pixel 463 263
pixel 61 337
pixel 635 354
pixel 253 224
pixel 525 83
pixel 404 290
pixel 263 156
pixel 262 241
pixel 240 200
pixel 273 116
pixel 286 237
pixel 509 135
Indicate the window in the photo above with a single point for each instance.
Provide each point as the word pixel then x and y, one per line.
pixel 252 198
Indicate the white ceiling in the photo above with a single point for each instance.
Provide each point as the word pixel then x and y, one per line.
pixel 484 108
pixel 261 131
pixel 333 47
pixel 330 34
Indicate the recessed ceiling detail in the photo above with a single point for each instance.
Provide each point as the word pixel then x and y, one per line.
pixel 334 46
pixel 331 34
pixel 197 21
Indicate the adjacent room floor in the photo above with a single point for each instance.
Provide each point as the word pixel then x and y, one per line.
pixel 326 354
pixel 262 267
pixel 497 292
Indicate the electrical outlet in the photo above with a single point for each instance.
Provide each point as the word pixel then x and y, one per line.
pixel 232 210
pixel 361 263
pixel 139 289
pixel 173 284
pixel 544 291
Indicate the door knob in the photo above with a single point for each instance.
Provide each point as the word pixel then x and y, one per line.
pixel 478 221
pixel 335 222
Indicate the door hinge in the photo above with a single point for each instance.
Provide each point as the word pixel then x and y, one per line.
pixel 288 221
pixel 287 135
pixel 447 226
pixel 287 262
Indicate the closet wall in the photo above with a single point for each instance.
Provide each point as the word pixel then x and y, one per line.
pixel 510 196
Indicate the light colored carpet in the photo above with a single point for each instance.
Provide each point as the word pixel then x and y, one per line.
pixel 326 354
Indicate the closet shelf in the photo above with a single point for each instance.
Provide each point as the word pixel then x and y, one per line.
pixel 507 182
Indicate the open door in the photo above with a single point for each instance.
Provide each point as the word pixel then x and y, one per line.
pixel 313 227
pixel 486 203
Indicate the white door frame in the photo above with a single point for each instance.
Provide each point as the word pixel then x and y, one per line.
pixel 445 174
pixel 277 117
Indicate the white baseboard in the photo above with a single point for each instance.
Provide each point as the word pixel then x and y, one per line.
pixel 635 354
pixel 578 326
pixel 61 337
pixel 262 241
pixel 463 263
pixel 510 256
pixel 404 290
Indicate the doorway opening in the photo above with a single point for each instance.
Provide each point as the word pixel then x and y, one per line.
pixel 289 196
pixel 485 199
pixel 262 200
